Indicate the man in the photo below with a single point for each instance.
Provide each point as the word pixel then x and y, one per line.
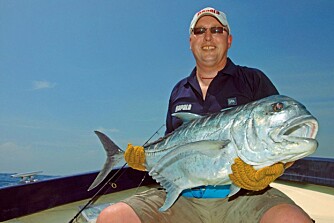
pixel 215 83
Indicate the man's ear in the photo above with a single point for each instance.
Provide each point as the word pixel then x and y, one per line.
pixel 229 41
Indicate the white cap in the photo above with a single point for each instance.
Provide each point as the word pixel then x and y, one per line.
pixel 220 16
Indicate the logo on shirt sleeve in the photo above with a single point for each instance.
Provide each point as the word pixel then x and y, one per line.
pixel 232 101
pixel 185 107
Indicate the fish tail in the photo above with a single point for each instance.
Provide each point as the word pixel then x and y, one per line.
pixel 114 156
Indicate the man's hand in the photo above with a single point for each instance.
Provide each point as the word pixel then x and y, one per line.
pixel 135 157
pixel 245 176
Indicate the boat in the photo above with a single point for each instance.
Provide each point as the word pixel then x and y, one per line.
pixel 27 177
pixel 309 182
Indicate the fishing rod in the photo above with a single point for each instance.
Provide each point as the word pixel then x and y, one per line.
pixel 156 132
pixel 108 182
pixel 95 195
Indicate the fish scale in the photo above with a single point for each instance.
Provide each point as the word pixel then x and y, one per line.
pixel 202 150
pixel 175 165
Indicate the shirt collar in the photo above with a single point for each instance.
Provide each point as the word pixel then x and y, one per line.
pixel 229 69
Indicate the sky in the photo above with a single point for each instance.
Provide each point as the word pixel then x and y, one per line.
pixel 70 67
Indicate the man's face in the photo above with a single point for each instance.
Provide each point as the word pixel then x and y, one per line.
pixel 210 49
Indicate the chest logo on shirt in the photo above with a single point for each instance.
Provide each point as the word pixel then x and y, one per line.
pixel 232 101
pixel 186 107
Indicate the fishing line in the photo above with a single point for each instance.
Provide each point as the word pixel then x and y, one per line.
pixel 156 132
pixel 108 182
pixel 95 195
pixel 142 180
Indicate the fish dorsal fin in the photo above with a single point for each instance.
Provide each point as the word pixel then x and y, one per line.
pixel 186 116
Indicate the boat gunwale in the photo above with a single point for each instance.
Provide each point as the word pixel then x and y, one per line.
pixel 20 200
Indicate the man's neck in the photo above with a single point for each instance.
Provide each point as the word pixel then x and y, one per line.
pixel 207 72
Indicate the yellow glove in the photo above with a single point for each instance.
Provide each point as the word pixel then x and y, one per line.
pixel 135 157
pixel 245 176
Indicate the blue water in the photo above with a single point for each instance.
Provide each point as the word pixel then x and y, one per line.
pixel 6 179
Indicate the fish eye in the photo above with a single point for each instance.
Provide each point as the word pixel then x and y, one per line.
pixel 277 107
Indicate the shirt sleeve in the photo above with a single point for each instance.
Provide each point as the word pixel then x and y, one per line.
pixel 261 85
pixel 169 124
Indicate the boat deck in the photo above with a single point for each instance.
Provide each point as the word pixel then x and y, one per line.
pixel 65 213
pixel 316 200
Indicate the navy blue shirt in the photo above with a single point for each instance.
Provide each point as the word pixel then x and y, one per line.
pixel 234 85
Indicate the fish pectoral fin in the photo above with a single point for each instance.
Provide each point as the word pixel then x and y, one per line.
pixel 216 144
pixel 208 147
pixel 233 190
pixel 204 145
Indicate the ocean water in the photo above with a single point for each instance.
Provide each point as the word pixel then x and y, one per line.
pixel 6 179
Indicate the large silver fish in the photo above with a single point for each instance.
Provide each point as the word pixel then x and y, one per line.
pixel 202 150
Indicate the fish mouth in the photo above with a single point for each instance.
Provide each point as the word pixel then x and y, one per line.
pixel 301 128
pixel 300 134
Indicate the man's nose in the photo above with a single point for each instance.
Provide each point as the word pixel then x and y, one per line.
pixel 208 35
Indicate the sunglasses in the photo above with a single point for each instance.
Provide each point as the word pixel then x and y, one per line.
pixel 213 30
